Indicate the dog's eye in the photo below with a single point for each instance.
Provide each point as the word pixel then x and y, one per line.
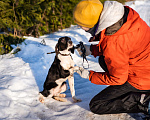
pixel 70 42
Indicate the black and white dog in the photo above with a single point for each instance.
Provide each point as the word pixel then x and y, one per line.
pixel 61 69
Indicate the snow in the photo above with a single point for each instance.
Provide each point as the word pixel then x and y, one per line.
pixel 22 76
pixel 143 8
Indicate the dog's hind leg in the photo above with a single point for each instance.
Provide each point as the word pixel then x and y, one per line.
pixel 63 89
pixel 57 92
pixel 44 94
pixel 60 99
pixel 62 95
pixel 60 90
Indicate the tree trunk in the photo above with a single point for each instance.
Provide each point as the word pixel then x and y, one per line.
pixel 15 32
pixel 15 21
pixel 61 13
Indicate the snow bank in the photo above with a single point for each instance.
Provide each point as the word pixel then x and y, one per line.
pixel 142 7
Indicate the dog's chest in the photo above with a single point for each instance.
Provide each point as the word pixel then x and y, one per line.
pixel 66 62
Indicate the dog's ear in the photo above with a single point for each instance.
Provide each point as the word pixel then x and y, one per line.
pixel 57 48
pixel 62 44
pixel 63 40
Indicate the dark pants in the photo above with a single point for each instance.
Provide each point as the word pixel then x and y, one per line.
pixel 118 98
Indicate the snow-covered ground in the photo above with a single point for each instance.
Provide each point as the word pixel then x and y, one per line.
pixel 22 76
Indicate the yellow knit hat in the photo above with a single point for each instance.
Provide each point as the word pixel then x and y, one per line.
pixel 87 12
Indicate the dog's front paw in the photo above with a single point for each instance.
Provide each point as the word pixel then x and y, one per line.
pixel 76 99
pixel 76 68
pixel 71 70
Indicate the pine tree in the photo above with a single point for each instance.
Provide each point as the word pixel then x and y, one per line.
pixel 36 16
pixel 6 14
pixel 121 1
pixel 46 7
pixel 61 14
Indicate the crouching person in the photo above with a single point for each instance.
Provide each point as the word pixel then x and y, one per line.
pixel 124 54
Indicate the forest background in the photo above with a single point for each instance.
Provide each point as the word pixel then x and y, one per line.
pixel 33 18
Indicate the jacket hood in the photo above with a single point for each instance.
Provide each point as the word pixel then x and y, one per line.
pixel 112 12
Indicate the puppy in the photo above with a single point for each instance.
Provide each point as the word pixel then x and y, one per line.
pixel 61 69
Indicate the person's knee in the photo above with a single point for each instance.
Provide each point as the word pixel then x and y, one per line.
pixel 92 108
pixel 95 107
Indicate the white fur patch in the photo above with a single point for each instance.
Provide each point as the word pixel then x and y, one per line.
pixel 66 61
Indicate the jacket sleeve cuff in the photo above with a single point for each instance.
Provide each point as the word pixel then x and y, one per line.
pixel 90 75
pixel 95 50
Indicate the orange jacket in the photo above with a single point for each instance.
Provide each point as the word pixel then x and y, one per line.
pixel 127 54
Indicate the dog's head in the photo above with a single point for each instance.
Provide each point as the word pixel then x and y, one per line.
pixel 64 44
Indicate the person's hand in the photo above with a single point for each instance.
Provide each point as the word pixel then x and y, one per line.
pixel 87 50
pixel 83 73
